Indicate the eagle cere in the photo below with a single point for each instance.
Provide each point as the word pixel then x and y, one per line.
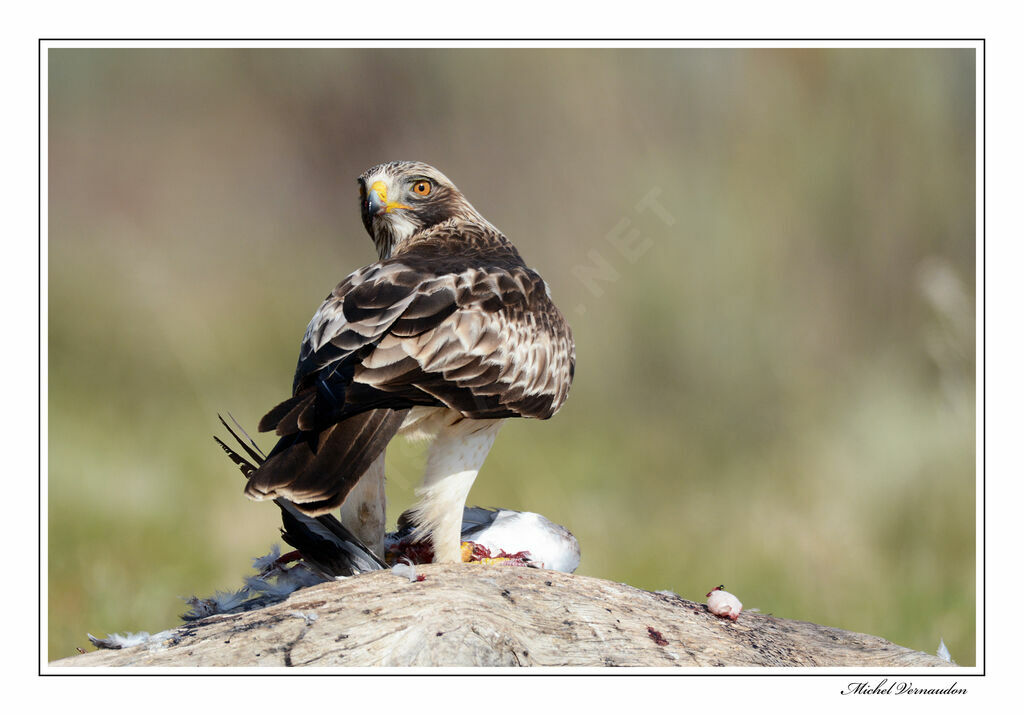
pixel 447 335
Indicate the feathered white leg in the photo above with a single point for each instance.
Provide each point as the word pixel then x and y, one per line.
pixel 455 457
pixel 364 510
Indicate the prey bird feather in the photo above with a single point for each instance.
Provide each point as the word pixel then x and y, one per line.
pixel 332 551
pixel 324 542
pixel 444 337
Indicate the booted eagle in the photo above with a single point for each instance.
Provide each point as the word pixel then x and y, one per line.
pixel 443 338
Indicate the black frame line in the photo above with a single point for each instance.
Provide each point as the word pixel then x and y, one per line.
pixel 602 672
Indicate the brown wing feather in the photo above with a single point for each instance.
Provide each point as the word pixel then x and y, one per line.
pixel 501 347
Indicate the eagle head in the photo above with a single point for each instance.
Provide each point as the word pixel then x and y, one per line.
pixel 401 198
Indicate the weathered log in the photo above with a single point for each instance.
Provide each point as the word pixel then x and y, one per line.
pixel 473 615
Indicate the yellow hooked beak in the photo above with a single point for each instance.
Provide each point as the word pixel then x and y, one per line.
pixel 378 199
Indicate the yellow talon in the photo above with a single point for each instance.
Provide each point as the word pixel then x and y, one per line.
pixel 467 549
pixel 497 562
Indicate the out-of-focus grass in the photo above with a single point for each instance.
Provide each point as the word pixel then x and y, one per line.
pixel 775 379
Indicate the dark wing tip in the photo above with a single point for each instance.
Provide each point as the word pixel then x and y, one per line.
pixel 270 421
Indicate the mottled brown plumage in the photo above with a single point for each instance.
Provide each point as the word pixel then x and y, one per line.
pixel 449 320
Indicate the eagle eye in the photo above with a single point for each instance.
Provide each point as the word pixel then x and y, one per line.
pixel 422 187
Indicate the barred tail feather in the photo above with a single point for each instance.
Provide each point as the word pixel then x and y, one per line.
pixel 316 471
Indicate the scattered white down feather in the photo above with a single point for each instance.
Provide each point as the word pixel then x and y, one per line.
pixel 116 641
pixel 406 569
pixel 309 618
pixel 943 652
pixel 724 604
pixel 550 545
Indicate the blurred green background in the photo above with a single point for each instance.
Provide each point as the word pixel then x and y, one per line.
pixel 767 258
